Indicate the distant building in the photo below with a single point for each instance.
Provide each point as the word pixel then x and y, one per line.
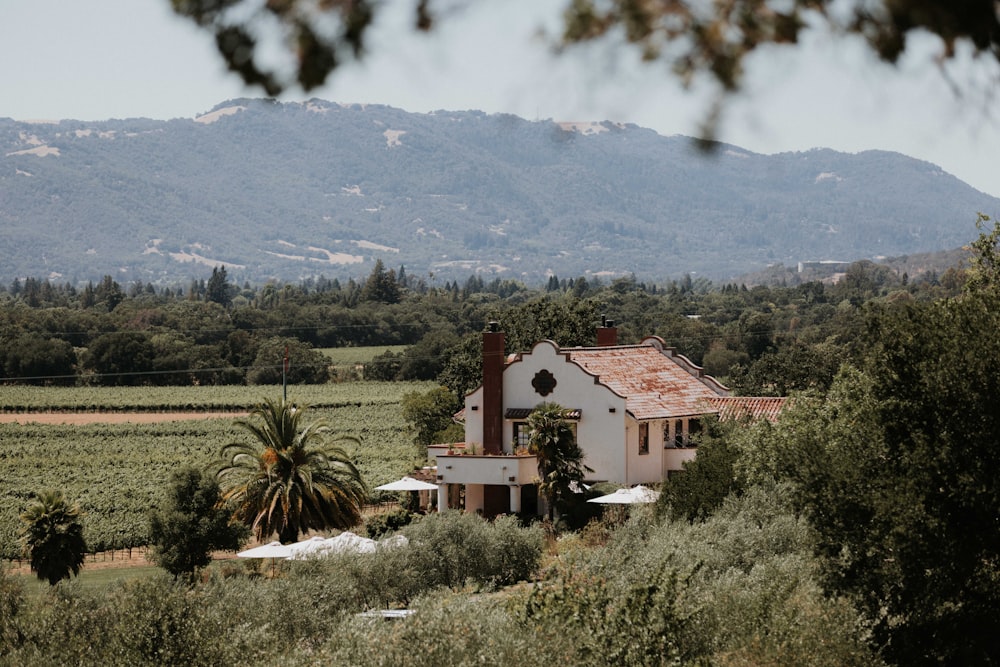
pixel 824 265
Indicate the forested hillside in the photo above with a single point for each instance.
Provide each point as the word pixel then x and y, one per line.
pixel 291 191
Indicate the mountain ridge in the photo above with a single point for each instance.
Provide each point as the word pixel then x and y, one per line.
pixel 287 190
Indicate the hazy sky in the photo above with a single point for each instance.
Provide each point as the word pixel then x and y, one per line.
pixel 100 59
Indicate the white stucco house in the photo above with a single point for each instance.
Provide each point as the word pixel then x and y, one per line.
pixel 635 409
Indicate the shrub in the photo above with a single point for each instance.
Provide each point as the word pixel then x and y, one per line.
pixel 447 629
pixel 639 625
pixel 387 522
pixel 62 628
pixel 11 602
pixel 453 548
pixel 162 621
pixel 748 584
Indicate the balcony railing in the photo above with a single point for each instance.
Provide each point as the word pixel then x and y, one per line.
pixel 507 469
pixel 674 458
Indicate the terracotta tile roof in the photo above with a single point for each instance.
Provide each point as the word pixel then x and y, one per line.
pixel 755 407
pixel 655 384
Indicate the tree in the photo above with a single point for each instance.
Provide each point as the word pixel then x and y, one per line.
pixel 218 288
pixel 381 285
pixel 568 322
pixel 425 359
pixel 706 480
pixel 560 458
pixel 120 358
pixel 794 367
pixel 896 470
pixel 306 365
pixel 53 537
pixel 696 40
pixel 431 414
pixel 293 477
pixel 384 366
pixel 984 273
pixel 191 524
pixel 32 358
pixel 109 292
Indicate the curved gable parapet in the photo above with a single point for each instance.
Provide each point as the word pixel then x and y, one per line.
pixel 548 347
pixel 692 368
pixel 656 342
pixel 542 348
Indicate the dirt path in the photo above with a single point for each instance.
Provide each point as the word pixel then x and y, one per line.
pixel 80 418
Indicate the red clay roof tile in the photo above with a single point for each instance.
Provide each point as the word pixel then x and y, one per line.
pixel 755 407
pixel 653 384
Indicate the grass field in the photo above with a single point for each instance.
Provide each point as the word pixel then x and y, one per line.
pixel 92 578
pixel 345 356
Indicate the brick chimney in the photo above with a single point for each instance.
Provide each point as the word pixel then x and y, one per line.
pixel 607 333
pixel 493 362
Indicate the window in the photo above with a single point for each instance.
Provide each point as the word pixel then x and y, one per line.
pixel 644 438
pixel 678 433
pixel 668 436
pixel 521 433
pixel 694 430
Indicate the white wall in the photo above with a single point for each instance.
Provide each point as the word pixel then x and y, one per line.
pixel 474 417
pixel 600 432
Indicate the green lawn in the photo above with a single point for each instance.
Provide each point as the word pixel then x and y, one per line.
pixel 343 356
pixel 92 578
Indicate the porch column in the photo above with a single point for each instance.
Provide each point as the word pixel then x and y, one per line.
pixel 442 497
pixel 515 499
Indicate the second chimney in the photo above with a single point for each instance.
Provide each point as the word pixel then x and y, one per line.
pixel 607 333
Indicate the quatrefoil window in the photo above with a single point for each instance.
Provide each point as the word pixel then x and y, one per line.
pixel 544 382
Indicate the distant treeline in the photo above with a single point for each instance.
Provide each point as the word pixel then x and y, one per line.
pixel 761 339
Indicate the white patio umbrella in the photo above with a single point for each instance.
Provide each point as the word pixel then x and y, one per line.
pixel 637 494
pixel 407 484
pixel 272 550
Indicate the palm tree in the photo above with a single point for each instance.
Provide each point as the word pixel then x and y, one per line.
pixel 560 458
pixel 53 537
pixel 291 479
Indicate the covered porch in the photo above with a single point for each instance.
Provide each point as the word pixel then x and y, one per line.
pixel 494 483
